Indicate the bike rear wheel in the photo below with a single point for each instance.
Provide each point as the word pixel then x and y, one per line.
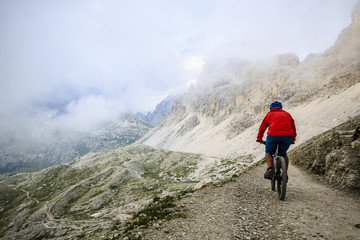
pixel 281 179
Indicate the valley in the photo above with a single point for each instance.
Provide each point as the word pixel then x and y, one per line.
pixel 198 173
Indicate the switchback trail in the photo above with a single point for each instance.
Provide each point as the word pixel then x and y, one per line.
pixel 248 209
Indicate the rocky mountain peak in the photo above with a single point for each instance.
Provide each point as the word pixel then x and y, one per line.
pixel 288 59
pixel 161 110
pixel 356 25
pixel 349 40
pixel 355 15
pixel 232 97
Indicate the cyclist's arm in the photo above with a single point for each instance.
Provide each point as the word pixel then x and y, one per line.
pixel 293 128
pixel 262 129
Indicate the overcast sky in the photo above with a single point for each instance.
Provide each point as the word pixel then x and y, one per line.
pixel 94 57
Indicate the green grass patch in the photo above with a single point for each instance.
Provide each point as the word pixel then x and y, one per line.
pixel 152 175
pixel 226 170
pixel 227 162
pixel 55 180
pixel 158 209
pixel 10 199
pixel 96 193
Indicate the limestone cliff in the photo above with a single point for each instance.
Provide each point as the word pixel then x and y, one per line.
pixel 231 98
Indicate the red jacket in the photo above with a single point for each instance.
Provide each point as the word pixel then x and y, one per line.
pixel 279 122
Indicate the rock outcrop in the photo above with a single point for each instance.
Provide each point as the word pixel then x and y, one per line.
pixel 334 154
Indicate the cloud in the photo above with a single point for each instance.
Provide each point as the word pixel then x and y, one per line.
pixel 193 66
pixel 86 113
pixel 93 58
pixel 194 63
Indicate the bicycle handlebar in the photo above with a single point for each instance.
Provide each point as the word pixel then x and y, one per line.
pixel 262 142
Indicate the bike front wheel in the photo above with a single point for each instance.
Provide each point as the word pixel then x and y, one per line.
pixel 273 183
pixel 282 179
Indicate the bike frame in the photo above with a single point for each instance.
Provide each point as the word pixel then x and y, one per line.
pixel 276 159
pixel 280 174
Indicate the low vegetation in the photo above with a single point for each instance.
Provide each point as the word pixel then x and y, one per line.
pixel 158 209
pixel 96 189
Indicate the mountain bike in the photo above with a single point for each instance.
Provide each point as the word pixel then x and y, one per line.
pixel 279 177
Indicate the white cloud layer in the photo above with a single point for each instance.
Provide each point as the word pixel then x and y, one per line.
pixel 94 58
pixel 194 63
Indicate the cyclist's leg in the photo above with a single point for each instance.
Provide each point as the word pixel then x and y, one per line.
pixel 270 149
pixel 268 158
pixel 284 145
pixel 287 162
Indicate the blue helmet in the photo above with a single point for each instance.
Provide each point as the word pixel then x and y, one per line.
pixel 275 104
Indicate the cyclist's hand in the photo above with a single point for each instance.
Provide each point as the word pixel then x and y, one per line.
pixel 261 141
pixel 293 143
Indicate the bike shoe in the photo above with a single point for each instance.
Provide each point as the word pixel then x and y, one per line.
pixel 269 173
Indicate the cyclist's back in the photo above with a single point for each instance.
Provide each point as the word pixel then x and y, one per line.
pixel 281 130
pixel 278 122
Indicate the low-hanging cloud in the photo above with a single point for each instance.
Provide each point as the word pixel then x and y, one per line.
pixel 87 112
pixel 79 63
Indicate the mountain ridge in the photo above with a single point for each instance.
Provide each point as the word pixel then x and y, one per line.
pixel 221 114
pixel 161 110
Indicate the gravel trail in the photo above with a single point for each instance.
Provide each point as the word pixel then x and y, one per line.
pixel 248 209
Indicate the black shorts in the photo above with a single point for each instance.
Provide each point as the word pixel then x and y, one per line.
pixel 283 141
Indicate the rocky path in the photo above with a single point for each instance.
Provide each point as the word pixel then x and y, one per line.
pixel 248 209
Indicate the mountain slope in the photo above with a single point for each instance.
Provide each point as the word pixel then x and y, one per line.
pixel 95 192
pixel 311 119
pixel 95 196
pixel 220 116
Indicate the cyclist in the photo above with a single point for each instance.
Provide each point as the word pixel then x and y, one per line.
pixel 281 131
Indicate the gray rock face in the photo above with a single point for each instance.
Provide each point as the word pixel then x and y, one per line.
pixel 190 124
pixel 334 154
pixel 288 59
pixel 161 110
